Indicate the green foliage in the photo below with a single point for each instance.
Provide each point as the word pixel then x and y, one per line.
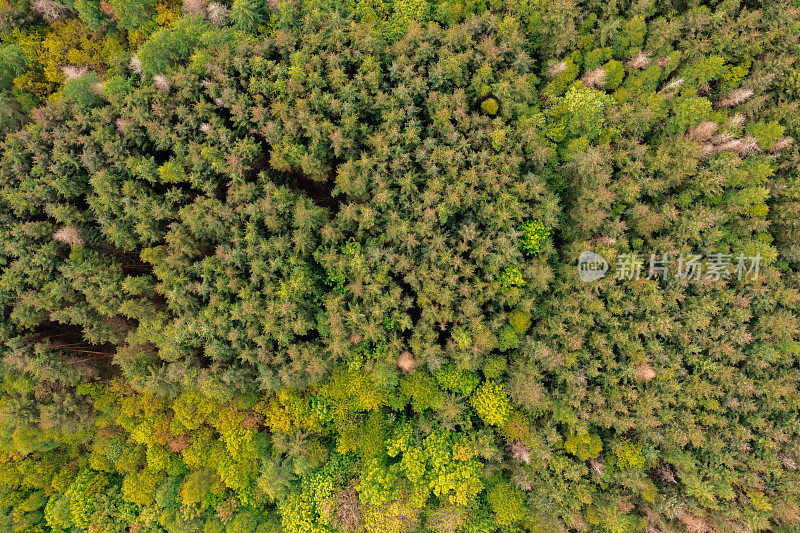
pixel 169 47
pixel 689 112
pixel 766 133
pixel 562 81
pixel 275 271
pixel 276 478
pixel 81 90
pixel 507 503
pixel 614 74
pixel 81 498
pixel 456 480
pixel 248 15
pixel 378 483
pixel 92 13
pixel 12 64
pixel 420 387
pixel 461 381
pixel 506 339
pixel 202 487
pixel 132 14
pixel 140 487
pixel 586 110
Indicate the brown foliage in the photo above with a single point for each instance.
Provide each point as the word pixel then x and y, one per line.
pixel 640 62
pixel 108 9
pixel 251 421
pixel 645 372
pixel 50 10
pixel 665 474
pixel 594 79
pixel 556 69
pixel 217 13
pixel 703 131
pixel 406 362
pixel 736 97
pixel 226 509
pixel 694 523
pixel 597 466
pixel 194 7
pixel 179 443
pixel 348 509
pixel 520 452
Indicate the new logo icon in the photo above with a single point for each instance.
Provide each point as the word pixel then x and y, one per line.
pixel 591 266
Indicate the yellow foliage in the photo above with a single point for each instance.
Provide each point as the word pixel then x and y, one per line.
pixel 168 12
pixel 463 449
pixel 350 391
pixel 140 487
pixel 276 416
pixel 192 409
pixel 33 79
pixel 71 43
pixel 518 427
pixel 237 438
pixel 196 455
pixel 759 500
pixel 394 517
pixel 287 410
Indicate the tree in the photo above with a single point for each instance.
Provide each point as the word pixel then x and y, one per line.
pixel 248 15
pixel 133 14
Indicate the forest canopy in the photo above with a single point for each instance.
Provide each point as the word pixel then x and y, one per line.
pixel 426 266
